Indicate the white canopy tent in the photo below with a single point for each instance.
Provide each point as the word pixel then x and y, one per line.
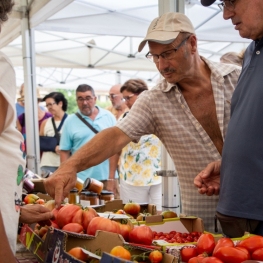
pixel 96 41
pixel 62 43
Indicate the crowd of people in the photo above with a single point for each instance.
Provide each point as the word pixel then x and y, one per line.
pixel 206 114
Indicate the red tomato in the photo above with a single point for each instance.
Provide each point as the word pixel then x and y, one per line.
pixel 55 214
pixel 66 213
pixel 211 260
pixel 231 255
pixel 156 256
pixel 73 227
pixel 141 235
pixel 54 224
pixel 78 253
pixel 245 251
pixel 223 242
pixel 132 208
pixel 251 243
pixel 125 230
pixel 101 223
pixel 205 244
pixel 197 259
pixel 40 201
pixel 257 254
pixel 83 217
pixel 120 211
pixel 187 253
pixel 121 252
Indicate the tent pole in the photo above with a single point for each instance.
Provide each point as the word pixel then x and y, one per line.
pixel 31 105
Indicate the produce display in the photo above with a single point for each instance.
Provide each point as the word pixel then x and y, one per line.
pixel 74 218
pixel 177 237
pixel 225 250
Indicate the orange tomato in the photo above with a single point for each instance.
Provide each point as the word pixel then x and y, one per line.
pixel 40 201
pixel 156 256
pixel 78 253
pixel 121 252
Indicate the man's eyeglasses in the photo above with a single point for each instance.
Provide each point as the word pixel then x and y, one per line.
pixel 228 4
pixel 88 99
pixel 50 104
pixel 167 55
pixel 127 98
pixel 112 96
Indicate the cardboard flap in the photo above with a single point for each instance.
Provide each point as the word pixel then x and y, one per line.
pixel 39 185
pixel 153 219
pixel 193 224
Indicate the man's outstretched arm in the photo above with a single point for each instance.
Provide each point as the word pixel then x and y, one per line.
pixel 101 147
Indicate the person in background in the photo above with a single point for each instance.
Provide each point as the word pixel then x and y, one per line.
pixel 140 161
pixel 12 161
pixel 233 58
pixel 118 107
pixel 42 115
pixel 238 177
pixel 188 111
pixel 56 104
pixel 76 133
pixel 20 104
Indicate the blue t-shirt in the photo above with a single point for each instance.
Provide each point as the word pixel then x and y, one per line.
pixel 19 109
pixel 75 134
pixel 242 159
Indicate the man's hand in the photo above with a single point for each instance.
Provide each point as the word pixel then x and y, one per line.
pixel 35 213
pixel 59 184
pixel 208 180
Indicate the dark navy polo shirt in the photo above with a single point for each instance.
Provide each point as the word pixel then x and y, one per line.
pixel 241 189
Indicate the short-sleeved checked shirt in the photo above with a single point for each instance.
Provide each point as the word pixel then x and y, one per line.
pixel 164 112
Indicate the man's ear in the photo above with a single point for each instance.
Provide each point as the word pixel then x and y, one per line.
pixel 193 42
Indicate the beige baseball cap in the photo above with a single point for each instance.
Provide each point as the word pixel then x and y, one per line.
pixel 165 28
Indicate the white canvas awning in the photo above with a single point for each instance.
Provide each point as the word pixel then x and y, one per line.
pixel 79 41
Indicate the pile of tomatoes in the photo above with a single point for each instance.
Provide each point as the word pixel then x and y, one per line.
pixel 177 237
pixel 223 251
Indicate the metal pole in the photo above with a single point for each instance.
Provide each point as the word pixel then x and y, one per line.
pixel 31 105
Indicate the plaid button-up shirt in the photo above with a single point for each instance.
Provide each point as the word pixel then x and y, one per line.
pixel 164 112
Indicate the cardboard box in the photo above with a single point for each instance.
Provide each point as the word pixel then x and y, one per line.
pixel 39 185
pixel 180 224
pixel 117 204
pixel 33 243
pixel 59 242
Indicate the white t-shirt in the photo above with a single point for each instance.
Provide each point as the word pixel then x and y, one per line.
pixel 12 156
pixel 50 158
